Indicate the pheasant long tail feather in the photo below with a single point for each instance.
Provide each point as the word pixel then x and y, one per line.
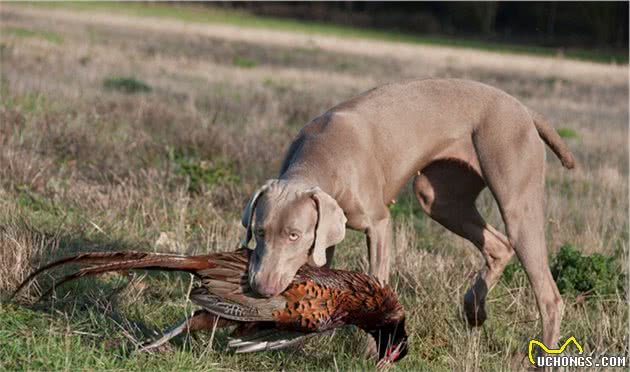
pixel 118 261
pixel 271 339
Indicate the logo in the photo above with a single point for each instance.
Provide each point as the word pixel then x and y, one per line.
pixel 530 349
pixel 579 360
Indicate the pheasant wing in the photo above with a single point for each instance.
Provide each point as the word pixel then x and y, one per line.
pixel 237 307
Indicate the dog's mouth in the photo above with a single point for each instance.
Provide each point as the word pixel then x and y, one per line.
pixel 268 285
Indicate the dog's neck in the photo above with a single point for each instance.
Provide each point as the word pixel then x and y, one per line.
pixel 310 177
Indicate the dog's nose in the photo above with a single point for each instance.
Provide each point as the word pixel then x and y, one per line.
pixel 267 286
pixel 266 290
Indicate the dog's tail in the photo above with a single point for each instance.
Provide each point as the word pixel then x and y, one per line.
pixel 120 261
pixel 553 140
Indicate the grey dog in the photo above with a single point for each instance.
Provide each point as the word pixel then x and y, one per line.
pixel 456 137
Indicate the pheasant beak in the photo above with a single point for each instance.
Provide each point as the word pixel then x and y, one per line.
pixel 392 354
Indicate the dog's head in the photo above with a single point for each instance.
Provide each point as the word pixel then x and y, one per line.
pixel 292 224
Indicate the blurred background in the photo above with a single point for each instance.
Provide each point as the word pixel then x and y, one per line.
pixel 557 25
pixel 147 126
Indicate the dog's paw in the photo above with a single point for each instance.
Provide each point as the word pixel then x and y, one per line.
pixel 474 309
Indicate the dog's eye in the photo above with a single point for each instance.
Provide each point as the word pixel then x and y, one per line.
pixel 294 236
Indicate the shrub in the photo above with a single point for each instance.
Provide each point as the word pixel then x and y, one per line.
pixel 576 273
pixel 596 274
pixel 512 272
pixel 126 85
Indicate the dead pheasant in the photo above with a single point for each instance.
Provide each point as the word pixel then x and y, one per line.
pixel 318 300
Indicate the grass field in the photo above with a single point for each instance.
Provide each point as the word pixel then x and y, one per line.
pixel 131 130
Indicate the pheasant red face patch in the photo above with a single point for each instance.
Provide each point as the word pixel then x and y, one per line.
pixel 392 354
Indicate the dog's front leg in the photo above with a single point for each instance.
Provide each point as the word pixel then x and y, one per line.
pixel 379 241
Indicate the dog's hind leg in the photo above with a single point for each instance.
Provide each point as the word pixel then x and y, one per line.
pixel 513 164
pixel 447 190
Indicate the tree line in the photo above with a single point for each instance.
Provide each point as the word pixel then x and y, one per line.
pixel 588 25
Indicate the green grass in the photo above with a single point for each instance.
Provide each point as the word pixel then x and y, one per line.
pixel 244 62
pixel 75 341
pixel 41 34
pixel 567 133
pixel 241 18
pixel 203 175
pixel 126 84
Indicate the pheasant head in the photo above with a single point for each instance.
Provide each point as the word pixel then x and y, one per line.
pixel 391 340
pixel 381 315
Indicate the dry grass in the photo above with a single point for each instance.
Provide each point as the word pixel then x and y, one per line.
pixel 88 168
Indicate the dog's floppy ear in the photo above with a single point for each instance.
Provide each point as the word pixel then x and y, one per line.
pixel 248 213
pixel 330 228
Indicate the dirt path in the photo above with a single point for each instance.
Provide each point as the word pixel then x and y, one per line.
pixel 410 54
